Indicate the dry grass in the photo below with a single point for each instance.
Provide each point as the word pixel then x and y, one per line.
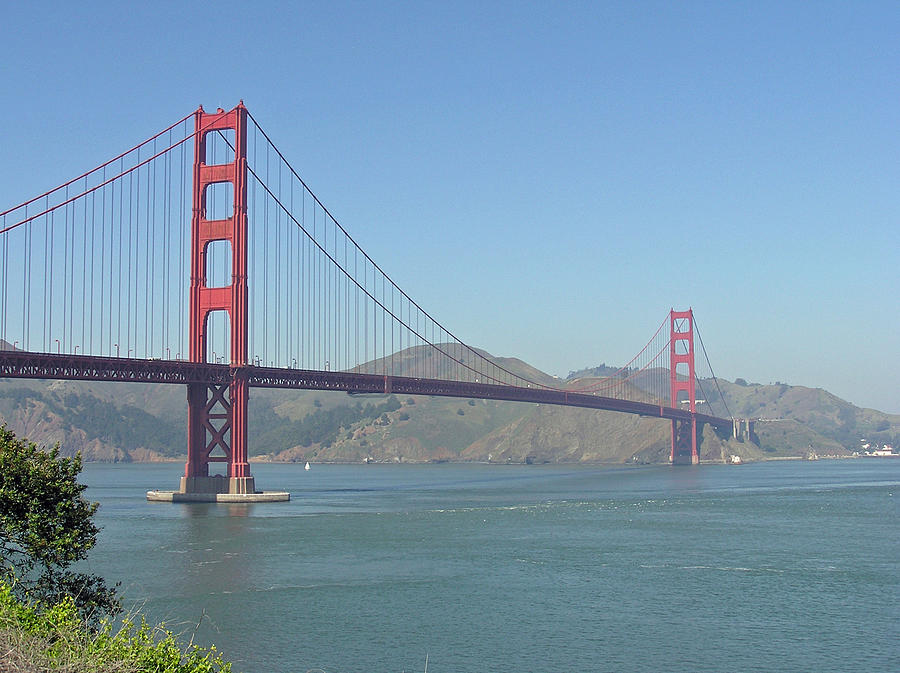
pixel 23 654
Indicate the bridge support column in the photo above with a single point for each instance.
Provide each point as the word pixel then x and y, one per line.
pixel 217 433
pixel 238 467
pixel 197 459
pixel 742 429
pixel 684 443
pixel 682 380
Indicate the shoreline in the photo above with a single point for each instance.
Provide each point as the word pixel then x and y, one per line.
pixel 257 461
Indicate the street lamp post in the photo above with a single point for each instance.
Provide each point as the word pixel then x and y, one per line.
pixel 117 349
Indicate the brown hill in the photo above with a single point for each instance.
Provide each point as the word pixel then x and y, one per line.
pixel 795 420
pixel 117 422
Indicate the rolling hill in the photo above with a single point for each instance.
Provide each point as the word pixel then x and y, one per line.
pixel 140 422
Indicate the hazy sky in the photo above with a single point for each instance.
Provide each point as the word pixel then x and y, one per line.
pixel 547 179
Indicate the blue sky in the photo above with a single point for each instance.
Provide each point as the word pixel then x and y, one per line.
pixel 547 179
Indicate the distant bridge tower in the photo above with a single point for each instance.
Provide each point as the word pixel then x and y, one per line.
pixel 217 413
pixel 682 386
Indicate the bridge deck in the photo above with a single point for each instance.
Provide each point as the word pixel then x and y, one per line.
pixel 23 364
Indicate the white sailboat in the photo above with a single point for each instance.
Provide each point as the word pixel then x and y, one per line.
pixel 306 467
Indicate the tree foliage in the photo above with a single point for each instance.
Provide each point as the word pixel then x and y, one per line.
pixel 46 525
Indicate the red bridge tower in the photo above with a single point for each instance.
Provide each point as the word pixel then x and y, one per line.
pixel 682 385
pixel 217 414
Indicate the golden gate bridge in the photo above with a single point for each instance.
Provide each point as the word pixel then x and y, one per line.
pixel 200 257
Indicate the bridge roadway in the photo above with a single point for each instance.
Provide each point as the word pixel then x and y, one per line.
pixel 26 364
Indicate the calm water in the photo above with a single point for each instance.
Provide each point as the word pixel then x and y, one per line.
pixel 789 566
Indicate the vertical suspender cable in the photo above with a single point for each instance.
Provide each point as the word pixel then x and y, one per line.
pixel 292 298
pixel 167 205
pixel 92 274
pixel 3 333
pixel 112 233
pixel 356 313
pixel 65 283
pixel 135 188
pixel 182 257
pixel 84 271
pixel 26 285
pixel 117 225
pixel 102 259
pixel 266 336
pixel 277 268
pixel 346 364
pixel 48 278
pixel 128 259
pixel 306 308
pixel 71 338
pixel 147 256
pixel 326 285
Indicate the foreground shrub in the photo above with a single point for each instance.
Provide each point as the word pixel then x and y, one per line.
pixel 37 637
pixel 46 525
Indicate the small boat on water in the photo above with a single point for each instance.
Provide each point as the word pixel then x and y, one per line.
pixel 306 467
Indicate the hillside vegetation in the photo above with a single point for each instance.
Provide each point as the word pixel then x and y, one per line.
pixel 795 419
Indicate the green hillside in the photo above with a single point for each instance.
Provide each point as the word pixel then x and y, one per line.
pixel 796 419
pixel 84 417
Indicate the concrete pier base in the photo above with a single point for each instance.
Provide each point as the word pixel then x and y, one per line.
pixel 218 489
pixel 217 484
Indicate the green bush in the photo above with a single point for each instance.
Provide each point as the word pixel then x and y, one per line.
pixel 54 637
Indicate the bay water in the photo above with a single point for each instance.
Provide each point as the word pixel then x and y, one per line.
pixel 780 566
